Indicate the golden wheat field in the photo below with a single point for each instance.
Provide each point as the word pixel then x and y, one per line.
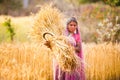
pixel 33 62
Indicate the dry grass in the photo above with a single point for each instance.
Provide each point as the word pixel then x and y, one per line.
pixel 103 61
pixel 24 62
pixel 33 61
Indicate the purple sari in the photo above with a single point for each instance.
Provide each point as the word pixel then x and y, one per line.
pixel 79 74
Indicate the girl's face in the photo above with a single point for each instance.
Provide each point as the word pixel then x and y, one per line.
pixel 72 26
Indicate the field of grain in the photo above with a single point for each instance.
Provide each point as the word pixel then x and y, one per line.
pixel 23 59
pixel 24 62
pixel 102 61
pixel 34 62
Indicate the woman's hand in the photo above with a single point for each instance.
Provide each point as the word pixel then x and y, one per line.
pixel 78 47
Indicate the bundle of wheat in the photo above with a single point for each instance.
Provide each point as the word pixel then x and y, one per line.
pixel 64 53
pixel 48 19
pixel 67 59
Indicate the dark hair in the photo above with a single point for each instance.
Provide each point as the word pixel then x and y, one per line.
pixel 72 19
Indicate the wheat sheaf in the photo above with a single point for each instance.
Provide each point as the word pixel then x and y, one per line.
pixel 48 27
pixel 48 19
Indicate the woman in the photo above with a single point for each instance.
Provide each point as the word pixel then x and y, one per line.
pixel 74 38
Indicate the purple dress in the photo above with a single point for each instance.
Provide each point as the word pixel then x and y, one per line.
pixel 78 74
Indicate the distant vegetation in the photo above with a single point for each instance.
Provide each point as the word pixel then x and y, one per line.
pixel 112 2
pixel 109 2
pixel 9 27
pixel 7 5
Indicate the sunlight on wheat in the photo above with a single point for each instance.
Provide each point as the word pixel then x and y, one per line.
pixel 103 61
pixel 24 61
pixel 33 61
